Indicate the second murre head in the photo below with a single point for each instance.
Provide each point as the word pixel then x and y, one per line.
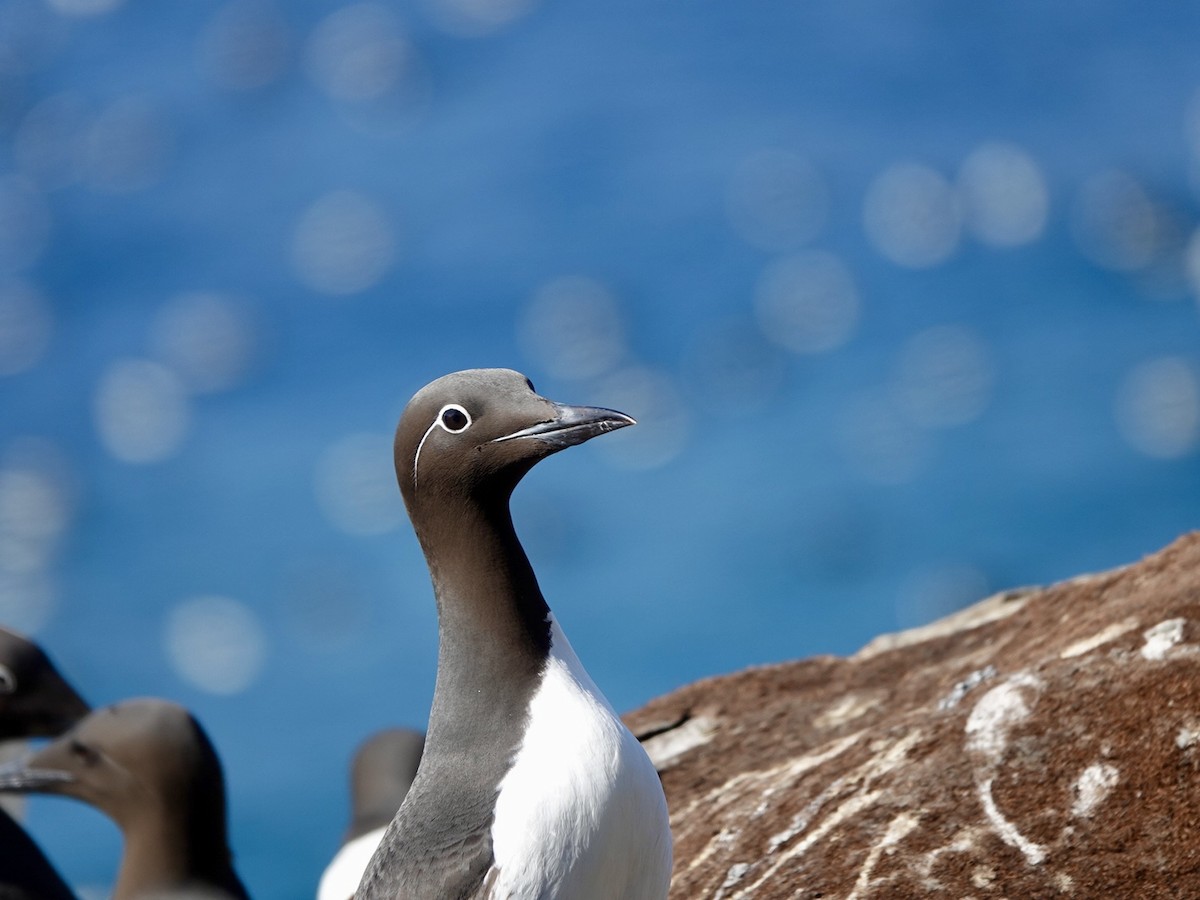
pixel 148 765
pixel 120 755
pixel 35 700
pixel 480 430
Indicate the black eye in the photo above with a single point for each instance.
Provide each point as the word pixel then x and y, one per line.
pixel 529 384
pixel 83 752
pixel 455 419
pixel 8 681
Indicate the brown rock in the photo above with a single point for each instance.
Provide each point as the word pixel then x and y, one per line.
pixel 1041 744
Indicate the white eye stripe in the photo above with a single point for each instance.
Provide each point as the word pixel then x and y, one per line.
pixel 439 422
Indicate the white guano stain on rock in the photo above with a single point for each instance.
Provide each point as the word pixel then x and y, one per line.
pixel 735 874
pixel 849 707
pixel 1161 638
pixel 1088 644
pixel 965 841
pixel 987 728
pixel 992 609
pixel 664 749
pixel 1064 882
pixel 996 712
pixel 898 829
pixel 1034 854
pixel 962 688
pixel 724 838
pixel 847 810
pixel 735 790
pixel 864 776
pixel 877 765
pixel 983 876
pixel 1092 788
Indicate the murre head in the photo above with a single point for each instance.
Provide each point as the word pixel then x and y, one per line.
pixel 35 700
pixel 477 432
pixel 129 759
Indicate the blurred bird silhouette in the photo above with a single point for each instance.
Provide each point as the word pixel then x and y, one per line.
pixel 383 768
pixel 35 701
pixel 148 765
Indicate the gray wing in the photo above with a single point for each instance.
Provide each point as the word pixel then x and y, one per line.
pixel 418 860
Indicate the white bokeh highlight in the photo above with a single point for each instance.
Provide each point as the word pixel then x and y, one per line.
pixel 1004 196
pixel 141 411
pixel 206 338
pixel 343 244
pixel 573 328
pixel 808 302
pixel 476 18
pixel 26 326
pixel 944 377
pixel 1157 407
pixel 355 485
pixel 215 643
pixel 37 509
pixel 912 216
pixel 34 514
pixel 664 423
pixel 359 53
pixel 84 8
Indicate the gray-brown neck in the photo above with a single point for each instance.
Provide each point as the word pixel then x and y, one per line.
pixel 173 844
pixel 493 623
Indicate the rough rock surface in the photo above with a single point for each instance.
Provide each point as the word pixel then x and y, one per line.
pixel 1041 744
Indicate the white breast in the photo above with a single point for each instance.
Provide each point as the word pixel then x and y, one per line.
pixel 342 875
pixel 581 814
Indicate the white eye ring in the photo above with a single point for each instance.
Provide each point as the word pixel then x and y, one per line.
pixel 453 419
pixel 8 681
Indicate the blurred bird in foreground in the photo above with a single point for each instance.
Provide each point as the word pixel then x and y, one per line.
pixel 35 701
pixel 149 766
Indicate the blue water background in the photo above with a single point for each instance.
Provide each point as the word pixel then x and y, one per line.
pixel 596 140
